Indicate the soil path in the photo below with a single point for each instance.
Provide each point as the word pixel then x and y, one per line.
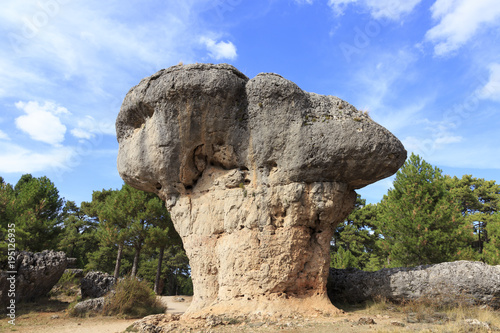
pixel 59 322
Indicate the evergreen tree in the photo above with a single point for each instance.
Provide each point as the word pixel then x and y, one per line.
pixel 479 201
pixel 342 259
pixel 6 216
pixel 491 253
pixel 78 237
pixel 125 219
pixel 36 210
pixel 161 234
pixel 353 242
pixel 418 218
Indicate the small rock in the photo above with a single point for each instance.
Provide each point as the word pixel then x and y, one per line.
pixel 179 299
pixel 397 323
pixel 366 321
pixel 55 317
pixel 476 324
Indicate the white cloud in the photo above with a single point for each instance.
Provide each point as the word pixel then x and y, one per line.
pixel 459 21
pixel 491 90
pixel 88 127
pixel 220 50
pixel 302 2
pixel 16 159
pixel 390 9
pixel 4 136
pixel 42 122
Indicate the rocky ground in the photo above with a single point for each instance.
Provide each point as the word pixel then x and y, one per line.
pixel 50 316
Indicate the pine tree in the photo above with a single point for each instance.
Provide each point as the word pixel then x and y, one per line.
pixel 6 216
pixel 418 218
pixel 491 253
pixel 355 237
pixel 479 201
pixel 125 219
pixel 78 237
pixel 37 214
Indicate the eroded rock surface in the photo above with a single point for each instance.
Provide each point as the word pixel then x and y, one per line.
pixel 449 282
pixel 256 175
pixel 96 284
pixel 36 274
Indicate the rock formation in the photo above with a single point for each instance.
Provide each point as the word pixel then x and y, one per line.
pixel 96 284
pixel 449 282
pixel 256 175
pixel 95 305
pixel 36 274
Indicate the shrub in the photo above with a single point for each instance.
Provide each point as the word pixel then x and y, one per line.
pixel 132 299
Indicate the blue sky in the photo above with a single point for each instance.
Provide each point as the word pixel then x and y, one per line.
pixel 429 71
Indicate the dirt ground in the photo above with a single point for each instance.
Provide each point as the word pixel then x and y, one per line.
pixel 56 320
pixel 368 318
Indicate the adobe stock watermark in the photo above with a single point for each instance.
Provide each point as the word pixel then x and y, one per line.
pixel 363 37
pixel 86 147
pixel 223 6
pixel 43 13
pixel 11 273
pixel 455 116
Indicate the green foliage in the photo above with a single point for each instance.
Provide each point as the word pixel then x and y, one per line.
pixel 132 299
pixel 103 259
pixel 175 272
pixel 34 206
pixel 355 237
pixel 78 237
pixel 343 259
pixel 67 284
pixel 492 248
pixel 479 201
pixel 420 221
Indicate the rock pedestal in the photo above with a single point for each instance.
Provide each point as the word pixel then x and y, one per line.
pixel 256 175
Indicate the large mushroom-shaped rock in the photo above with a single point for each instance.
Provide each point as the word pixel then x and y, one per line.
pixel 256 175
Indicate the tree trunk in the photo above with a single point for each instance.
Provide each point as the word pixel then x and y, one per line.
pixel 158 272
pixel 136 261
pixel 118 261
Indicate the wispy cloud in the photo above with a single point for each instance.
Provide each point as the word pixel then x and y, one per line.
pixel 17 159
pixel 304 2
pixel 41 122
pixel 88 127
pixel 459 21
pixel 389 9
pixel 4 136
pixel 491 90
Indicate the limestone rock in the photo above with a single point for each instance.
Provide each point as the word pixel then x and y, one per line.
pixel 96 284
pixel 449 282
pixel 90 305
pixel 256 175
pixel 36 274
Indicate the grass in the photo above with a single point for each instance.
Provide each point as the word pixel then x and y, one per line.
pixel 132 299
pixel 431 314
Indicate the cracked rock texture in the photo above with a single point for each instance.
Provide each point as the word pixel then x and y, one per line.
pixel 96 284
pixel 256 175
pixel 36 274
pixel 449 282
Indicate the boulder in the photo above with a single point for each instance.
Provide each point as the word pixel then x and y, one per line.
pixel 90 305
pixel 450 282
pixel 256 174
pixel 96 284
pixel 36 274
